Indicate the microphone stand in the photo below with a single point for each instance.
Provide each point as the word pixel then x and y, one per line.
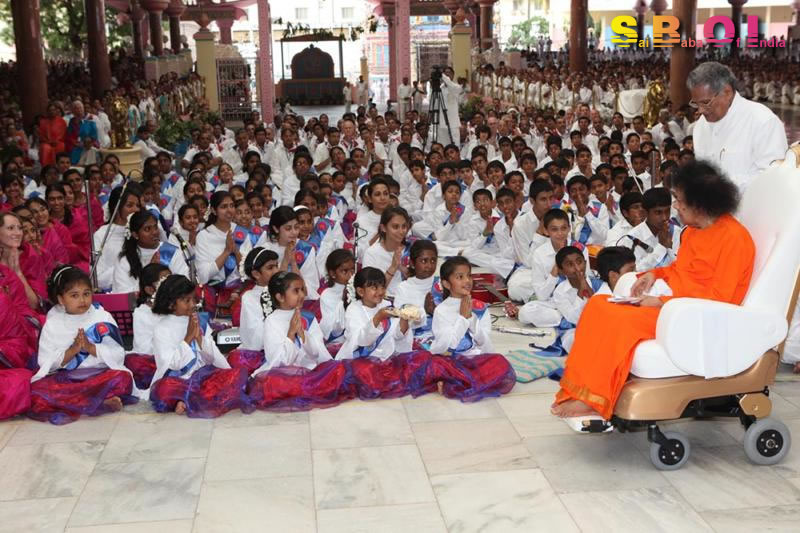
pixel 187 255
pixel 90 222
pixel 356 238
pixel 96 255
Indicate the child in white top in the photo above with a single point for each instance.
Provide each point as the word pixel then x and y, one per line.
pixel 341 266
pixel 422 288
pixel 371 332
pixel 259 265
pixel 461 325
pixel 291 337
pixel 451 224
pixel 293 255
pixel 144 321
pixel 366 233
pixel 390 253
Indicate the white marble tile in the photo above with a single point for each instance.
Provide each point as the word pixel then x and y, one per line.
pixel 356 423
pixel 84 429
pixel 578 463
pixel 234 419
pixel 138 492
pixel 46 470
pixel 259 452
pixel 790 466
pixel 416 517
pixel 542 385
pixel 169 526
pixel 782 518
pixel 471 446
pixel 436 408
pixel 363 477
pixel 661 509
pixel 156 437
pixel 7 430
pixel 701 433
pixel 722 478
pixel 43 515
pixel 249 505
pixel 530 415
pixel 502 502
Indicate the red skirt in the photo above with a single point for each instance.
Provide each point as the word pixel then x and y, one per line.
pixel 63 397
pixel 15 392
pixel 143 367
pixel 208 393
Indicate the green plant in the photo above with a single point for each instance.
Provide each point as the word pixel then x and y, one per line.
pixel 525 34
pixel 172 130
pixel 472 104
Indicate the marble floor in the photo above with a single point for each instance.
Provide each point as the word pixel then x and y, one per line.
pixel 405 465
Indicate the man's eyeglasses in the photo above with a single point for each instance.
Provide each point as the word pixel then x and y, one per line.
pixel 705 105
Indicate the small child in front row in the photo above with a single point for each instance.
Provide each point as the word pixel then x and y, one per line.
pixel 612 263
pixel 461 325
pixel 144 321
pixel 572 293
pixel 341 266
pixel 81 358
pixel 260 264
pixel 422 288
pixel 192 376
pixel 371 330
pixel 292 337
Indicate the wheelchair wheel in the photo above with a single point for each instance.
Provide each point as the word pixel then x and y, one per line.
pixel 767 441
pixel 673 454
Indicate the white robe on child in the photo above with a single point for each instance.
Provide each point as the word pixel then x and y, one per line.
pixel 450 328
pixel 363 339
pixel 331 305
pixel 279 350
pixel 172 353
pixel 379 257
pixel 308 270
pixel 123 281
pixel 210 244
pixel 251 322
pixel 144 325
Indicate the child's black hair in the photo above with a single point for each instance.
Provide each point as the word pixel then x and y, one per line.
pixel 63 278
pixel 337 258
pixel 184 208
pixel 278 284
pixel 448 267
pixel 554 214
pixel 147 278
pixel 539 186
pixel 387 216
pixel 423 245
pixel 368 277
pixel 505 191
pixel 627 200
pixel 565 252
pixel 130 247
pixel 216 199
pixel 449 185
pixel 257 258
pixel 278 217
pixel 173 287
pixel 612 259
pixel 482 192
pixel 656 197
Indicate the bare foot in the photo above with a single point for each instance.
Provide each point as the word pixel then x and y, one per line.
pixel 180 408
pixel 796 368
pixel 572 408
pixel 114 403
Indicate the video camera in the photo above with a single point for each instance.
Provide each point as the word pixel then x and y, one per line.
pixel 436 77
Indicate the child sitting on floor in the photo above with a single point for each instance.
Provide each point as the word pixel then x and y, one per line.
pixel 460 325
pixel 144 321
pixel 422 288
pixel 259 265
pixel 292 337
pixel 371 330
pixel 341 266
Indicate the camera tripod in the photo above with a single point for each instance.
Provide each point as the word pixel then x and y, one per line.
pixel 436 105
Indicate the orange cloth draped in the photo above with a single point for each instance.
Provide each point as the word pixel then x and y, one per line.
pixel 713 263
pixel 52 132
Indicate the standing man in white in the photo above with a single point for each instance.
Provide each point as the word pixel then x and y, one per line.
pixel 363 91
pixel 403 99
pixel 740 136
pixel 451 93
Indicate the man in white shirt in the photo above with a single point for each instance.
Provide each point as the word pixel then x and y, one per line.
pixel 146 144
pixel 666 129
pixel 739 136
pixel 204 144
pixel 234 155
pixel 403 99
pixel 264 145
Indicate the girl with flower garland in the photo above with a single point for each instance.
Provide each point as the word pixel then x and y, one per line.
pixel 292 337
pixel 142 247
pixel 259 265
pixel 192 376
pixel 294 255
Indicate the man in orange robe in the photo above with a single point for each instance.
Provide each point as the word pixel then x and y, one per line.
pixel 714 263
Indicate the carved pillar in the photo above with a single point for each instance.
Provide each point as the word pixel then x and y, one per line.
pixel 487 16
pixel 681 60
pixel 137 14
pixel 174 12
pixel 225 34
pixel 640 8
pixel 99 65
pixel 265 62
pixel 402 13
pixel 577 36
pixel 155 9
pixel 393 81
pixel 32 75
pixel 736 17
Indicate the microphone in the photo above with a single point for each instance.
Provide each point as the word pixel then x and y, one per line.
pixel 638 242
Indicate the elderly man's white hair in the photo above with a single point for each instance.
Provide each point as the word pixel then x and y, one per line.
pixel 712 74
pixel 77 103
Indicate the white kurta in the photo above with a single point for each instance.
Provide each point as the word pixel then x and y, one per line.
pixel 172 352
pixel 113 246
pixel 144 325
pixel 308 270
pixel 331 305
pixel 280 351
pixel 251 323
pixel 361 332
pixel 449 328
pixel 744 142
pixel 379 257
pixel 413 291
pixel 123 281
pixel 210 244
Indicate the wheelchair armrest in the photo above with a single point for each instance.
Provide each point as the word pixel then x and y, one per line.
pixel 716 339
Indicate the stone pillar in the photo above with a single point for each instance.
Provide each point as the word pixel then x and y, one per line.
pixel 486 23
pixel 475 22
pixel 682 58
pixel 32 75
pixel 265 62
pixel 137 15
pixel 99 65
pixel 640 8
pixel 393 81
pixel 736 17
pixel 207 65
pixel 155 9
pixel 402 12
pixel 658 6
pixel 144 31
pixel 461 51
pixel 225 34
pixel 174 12
pixel 578 47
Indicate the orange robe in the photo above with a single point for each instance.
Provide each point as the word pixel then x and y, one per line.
pixel 714 263
pixel 52 132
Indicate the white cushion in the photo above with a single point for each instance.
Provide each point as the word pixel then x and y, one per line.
pixel 650 360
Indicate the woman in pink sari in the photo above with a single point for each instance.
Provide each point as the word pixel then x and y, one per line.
pixel 53 232
pixel 74 180
pixel 76 239
pixel 52 133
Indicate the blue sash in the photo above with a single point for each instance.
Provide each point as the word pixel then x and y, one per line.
pixel 321 229
pixel 203 319
pixel 459 211
pixel 365 351
pixel 466 343
pixel 301 252
pixel 166 252
pixel 96 333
